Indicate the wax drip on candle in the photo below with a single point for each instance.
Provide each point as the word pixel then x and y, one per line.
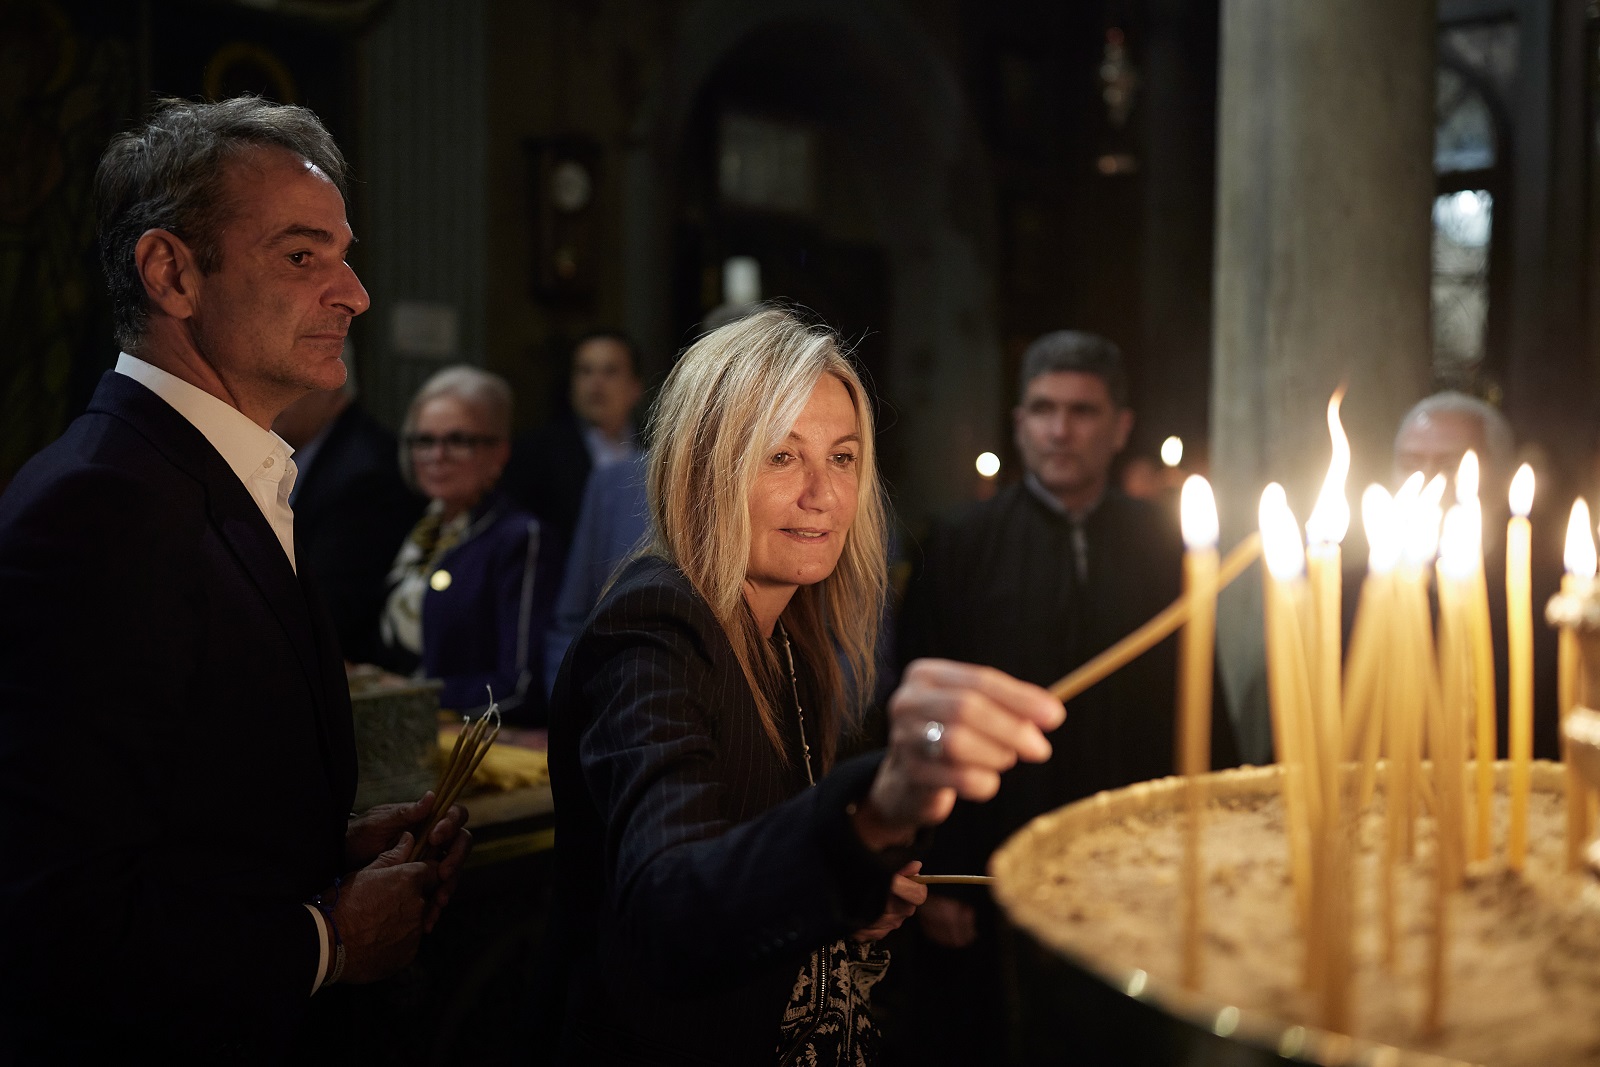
pixel 1579 554
pixel 1330 519
pixel 1378 518
pixel 1280 535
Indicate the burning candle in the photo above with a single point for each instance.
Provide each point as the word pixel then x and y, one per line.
pixel 1196 649
pixel 1459 543
pixel 1416 683
pixel 1372 638
pixel 1460 558
pixel 1290 691
pixel 1481 652
pixel 1519 676
pixel 1579 557
pixel 1325 530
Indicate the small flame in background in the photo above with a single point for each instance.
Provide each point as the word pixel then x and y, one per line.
pixel 1172 451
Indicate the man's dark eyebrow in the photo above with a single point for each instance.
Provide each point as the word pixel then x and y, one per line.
pixel 315 234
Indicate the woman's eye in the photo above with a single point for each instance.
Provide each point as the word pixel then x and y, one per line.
pixel 780 458
pixel 844 459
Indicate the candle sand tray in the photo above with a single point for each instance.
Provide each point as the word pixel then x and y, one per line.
pixel 1099 881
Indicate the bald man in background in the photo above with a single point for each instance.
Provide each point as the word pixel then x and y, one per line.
pixel 1432 438
pixel 1438 430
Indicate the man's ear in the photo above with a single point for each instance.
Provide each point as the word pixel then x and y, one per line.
pixel 168 270
pixel 1124 427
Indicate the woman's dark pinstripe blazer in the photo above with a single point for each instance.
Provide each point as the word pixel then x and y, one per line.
pixel 695 869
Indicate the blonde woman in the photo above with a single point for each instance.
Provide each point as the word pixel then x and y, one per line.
pixel 721 877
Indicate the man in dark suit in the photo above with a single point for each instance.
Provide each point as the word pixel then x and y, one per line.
pixel 351 509
pixel 176 753
pixel 1036 581
pixel 550 466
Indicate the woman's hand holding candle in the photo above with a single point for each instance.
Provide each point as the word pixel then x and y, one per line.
pixel 953 729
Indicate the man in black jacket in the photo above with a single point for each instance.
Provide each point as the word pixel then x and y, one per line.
pixel 550 466
pixel 351 508
pixel 1037 580
pixel 177 759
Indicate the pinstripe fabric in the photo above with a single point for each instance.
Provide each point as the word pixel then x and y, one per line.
pixel 695 869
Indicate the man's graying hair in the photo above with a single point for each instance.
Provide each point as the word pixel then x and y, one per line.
pixel 1083 353
pixel 169 174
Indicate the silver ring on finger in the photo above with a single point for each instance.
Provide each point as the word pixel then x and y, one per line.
pixel 932 738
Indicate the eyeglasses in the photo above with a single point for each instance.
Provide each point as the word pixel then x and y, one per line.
pixel 452 445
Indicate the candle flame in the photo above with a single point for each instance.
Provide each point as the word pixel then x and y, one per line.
pixel 1410 489
pixel 1433 492
pixel 1197 510
pixel 1330 519
pixel 1419 517
pixel 1460 542
pixel 1467 478
pixel 1379 519
pixel 1522 492
pixel 1172 451
pixel 1280 535
pixel 1580 551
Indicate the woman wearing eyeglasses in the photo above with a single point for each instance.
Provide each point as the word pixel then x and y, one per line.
pixel 467 602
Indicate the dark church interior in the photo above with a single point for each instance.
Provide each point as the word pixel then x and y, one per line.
pixel 1258 202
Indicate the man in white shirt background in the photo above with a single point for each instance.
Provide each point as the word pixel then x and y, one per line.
pixel 551 465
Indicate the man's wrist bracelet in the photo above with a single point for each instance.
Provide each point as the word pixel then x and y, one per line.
pixel 325 903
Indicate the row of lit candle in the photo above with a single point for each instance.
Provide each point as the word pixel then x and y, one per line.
pixel 1398 695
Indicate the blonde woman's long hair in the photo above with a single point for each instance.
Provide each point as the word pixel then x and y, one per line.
pixel 733 397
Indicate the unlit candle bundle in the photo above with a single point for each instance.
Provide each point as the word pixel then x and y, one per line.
pixel 477 736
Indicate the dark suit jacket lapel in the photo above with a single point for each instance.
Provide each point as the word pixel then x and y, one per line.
pixel 234 514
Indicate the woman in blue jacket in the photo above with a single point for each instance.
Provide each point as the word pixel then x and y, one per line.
pixel 468 604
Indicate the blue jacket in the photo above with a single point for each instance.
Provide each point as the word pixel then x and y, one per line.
pixel 486 627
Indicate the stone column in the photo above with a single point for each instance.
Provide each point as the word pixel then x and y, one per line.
pixel 420 193
pixel 1324 189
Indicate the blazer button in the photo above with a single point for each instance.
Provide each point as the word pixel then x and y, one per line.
pixel 440 580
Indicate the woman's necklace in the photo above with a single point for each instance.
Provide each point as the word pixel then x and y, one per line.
pixel 794 687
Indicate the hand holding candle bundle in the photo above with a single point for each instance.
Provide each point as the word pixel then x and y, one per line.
pixel 472 744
